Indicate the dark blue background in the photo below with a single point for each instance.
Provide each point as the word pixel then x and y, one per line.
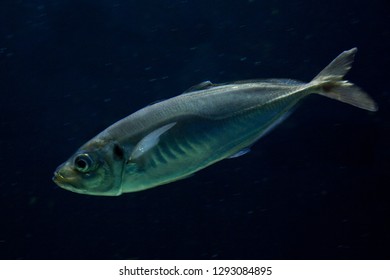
pixel 315 188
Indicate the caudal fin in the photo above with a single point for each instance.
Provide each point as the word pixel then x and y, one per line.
pixel 330 83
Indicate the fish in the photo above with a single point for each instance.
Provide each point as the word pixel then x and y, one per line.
pixel 172 139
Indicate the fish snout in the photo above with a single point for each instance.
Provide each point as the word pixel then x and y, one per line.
pixel 64 176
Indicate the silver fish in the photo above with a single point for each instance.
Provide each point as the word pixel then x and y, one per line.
pixel 172 139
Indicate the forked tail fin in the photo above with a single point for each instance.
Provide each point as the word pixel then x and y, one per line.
pixel 330 83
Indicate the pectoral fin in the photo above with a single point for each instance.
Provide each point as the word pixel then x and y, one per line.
pixel 149 141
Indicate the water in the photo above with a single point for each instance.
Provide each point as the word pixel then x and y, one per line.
pixel 315 188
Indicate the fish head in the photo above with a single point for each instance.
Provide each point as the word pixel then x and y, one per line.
pixel 95 169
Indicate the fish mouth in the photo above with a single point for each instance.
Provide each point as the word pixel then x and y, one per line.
pixel 66 182
pixel 64 177
pixel 62 181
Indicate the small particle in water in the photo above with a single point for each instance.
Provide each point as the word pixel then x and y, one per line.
pixel 33 200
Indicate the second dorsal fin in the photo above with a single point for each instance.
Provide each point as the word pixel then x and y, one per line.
pixel 201 86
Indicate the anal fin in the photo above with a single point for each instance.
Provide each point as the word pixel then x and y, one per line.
pixel 240 153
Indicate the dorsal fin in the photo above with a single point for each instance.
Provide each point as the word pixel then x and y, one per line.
pixel 157 101
pixel 201 86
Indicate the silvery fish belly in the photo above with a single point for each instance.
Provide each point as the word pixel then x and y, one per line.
pixel 172 139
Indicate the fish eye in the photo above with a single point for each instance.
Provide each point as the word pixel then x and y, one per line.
pixel 83 163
